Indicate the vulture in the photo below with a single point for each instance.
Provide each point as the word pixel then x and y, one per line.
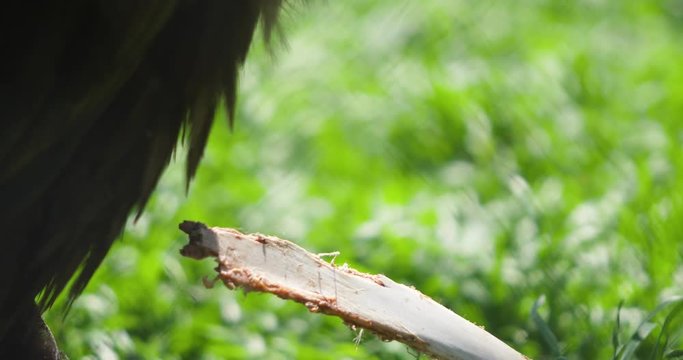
pixel 95 95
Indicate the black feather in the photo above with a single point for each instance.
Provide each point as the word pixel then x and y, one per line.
pixel 94 98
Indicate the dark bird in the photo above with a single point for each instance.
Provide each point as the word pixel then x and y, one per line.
pixel 94 97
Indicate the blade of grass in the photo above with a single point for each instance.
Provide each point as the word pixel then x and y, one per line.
pixel 546 333
pixel 645 328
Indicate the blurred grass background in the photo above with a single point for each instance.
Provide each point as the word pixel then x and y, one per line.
pixel 520 162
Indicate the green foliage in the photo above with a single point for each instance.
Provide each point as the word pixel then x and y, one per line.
pixel 489 153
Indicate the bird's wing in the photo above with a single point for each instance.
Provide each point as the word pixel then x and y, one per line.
pixel 95 94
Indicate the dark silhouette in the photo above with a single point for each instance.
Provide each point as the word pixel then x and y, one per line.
pixel 94 97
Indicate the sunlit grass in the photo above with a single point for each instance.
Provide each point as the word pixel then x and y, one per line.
pixel 489 153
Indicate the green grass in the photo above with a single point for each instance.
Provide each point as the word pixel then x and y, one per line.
pixel 489 153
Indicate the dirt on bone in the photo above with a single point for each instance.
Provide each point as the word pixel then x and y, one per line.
pixel 196 251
